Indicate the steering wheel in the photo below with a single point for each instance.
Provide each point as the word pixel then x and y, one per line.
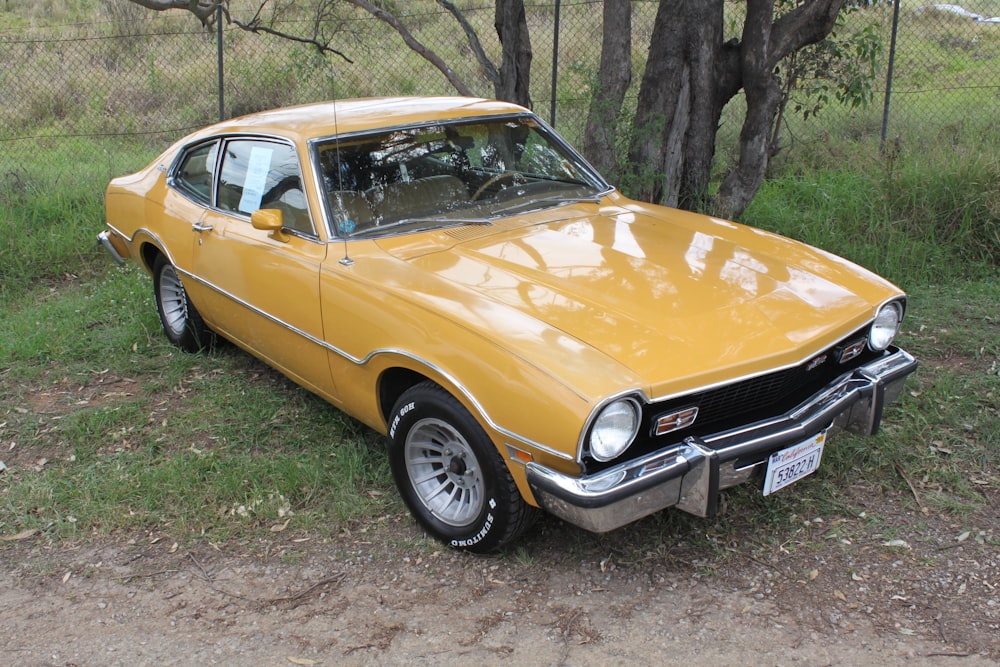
pixel 493 180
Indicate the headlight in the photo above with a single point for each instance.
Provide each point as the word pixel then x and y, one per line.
pixel 614 429
pixel 885 326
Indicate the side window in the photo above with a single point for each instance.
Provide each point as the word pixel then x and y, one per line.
pixel 259 174
pixel 194 173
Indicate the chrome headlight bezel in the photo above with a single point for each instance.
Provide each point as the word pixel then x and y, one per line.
pixel 613 429
pixel 886 325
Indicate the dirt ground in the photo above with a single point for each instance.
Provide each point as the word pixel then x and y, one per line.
pixel 835 592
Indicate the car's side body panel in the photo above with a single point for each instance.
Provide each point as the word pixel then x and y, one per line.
pixel 262 293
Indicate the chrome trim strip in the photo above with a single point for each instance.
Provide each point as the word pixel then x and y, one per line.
pixel 362 361
pixel 156 242
pixel 751 376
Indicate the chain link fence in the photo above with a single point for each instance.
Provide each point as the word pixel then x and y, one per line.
pixel 946 64
pixel 122 88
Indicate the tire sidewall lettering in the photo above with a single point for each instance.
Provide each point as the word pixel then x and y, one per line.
pixel 484 525
pixel 409 407
pixel 481 535
pixel 492 527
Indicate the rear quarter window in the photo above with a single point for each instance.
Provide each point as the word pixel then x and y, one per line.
pixel 195 171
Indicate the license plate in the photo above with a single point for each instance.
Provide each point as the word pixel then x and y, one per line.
pixel 793 463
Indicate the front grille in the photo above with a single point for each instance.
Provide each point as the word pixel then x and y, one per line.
pixel 746 401
pixel 746 397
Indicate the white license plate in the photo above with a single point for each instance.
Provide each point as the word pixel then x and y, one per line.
pixel 793 463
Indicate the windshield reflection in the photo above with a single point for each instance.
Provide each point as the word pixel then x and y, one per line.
pixel 457 173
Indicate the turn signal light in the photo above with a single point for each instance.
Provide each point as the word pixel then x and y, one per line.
pixel 676 420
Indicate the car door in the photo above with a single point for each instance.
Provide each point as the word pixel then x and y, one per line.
pixel 185 202
pixel 261 288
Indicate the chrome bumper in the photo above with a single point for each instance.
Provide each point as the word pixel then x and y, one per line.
pixel 689 475
pixel 104 240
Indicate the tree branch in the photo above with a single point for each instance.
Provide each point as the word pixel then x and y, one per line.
pixel 491 71
pixel 254 27
pixel 203 9
pixel 807 24
pixel 415 45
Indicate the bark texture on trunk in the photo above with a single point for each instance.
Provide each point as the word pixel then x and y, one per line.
pixel 515 64
pixel 613 80
pixel 763 95
pixel 764 44
pixel 673 139
pixel 691 74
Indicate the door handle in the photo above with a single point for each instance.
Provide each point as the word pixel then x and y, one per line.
pixel 201 227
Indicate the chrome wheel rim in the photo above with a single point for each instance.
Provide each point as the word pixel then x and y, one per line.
pixel 173 301
pixel 444 472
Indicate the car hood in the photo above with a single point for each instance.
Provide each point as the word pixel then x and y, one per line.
pixel 678 300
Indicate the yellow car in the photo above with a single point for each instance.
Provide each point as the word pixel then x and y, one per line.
pixel 453 274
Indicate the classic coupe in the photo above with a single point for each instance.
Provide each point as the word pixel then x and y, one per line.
pixel 453 274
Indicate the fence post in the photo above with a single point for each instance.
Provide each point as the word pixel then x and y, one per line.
pixel 555 66
pixel 219 50
pixel 888 76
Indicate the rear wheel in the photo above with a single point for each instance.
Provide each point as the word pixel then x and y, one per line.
pixel 181 321
pixel 450 475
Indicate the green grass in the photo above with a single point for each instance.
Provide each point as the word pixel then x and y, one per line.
pixel 105 428
pixel 51 208
pixel 133 435
pixel 927 212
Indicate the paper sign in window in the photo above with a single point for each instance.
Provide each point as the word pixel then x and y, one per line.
pixel 253 188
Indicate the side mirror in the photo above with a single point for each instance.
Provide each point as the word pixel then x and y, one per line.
pixel 269 220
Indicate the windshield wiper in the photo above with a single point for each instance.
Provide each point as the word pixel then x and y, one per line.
pixel 437 224
pixel 565 199
pixel 444 222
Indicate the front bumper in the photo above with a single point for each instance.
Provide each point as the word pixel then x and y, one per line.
pixel 689 475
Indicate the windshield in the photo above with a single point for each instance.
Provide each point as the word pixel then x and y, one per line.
pixel 456 173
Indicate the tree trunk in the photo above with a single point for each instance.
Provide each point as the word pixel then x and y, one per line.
pixel 691 75
pixel 763 95
pixel 515 65
pixel 613 80
pixel 763 46
pixel 673 139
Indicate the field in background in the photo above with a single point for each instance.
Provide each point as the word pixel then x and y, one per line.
pixel 104 427
pixel 94 90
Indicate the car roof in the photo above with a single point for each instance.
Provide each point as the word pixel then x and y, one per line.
pixel 325 119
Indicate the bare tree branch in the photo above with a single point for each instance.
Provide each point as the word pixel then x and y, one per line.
pixel 322 48
pixel 415 45
pixel 255 26
pixel 204 9
pixel 489 69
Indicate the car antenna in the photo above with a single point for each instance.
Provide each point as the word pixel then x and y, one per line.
pixel 341 227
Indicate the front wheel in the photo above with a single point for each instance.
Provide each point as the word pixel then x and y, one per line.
pixel 181 322
pixel 450 474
